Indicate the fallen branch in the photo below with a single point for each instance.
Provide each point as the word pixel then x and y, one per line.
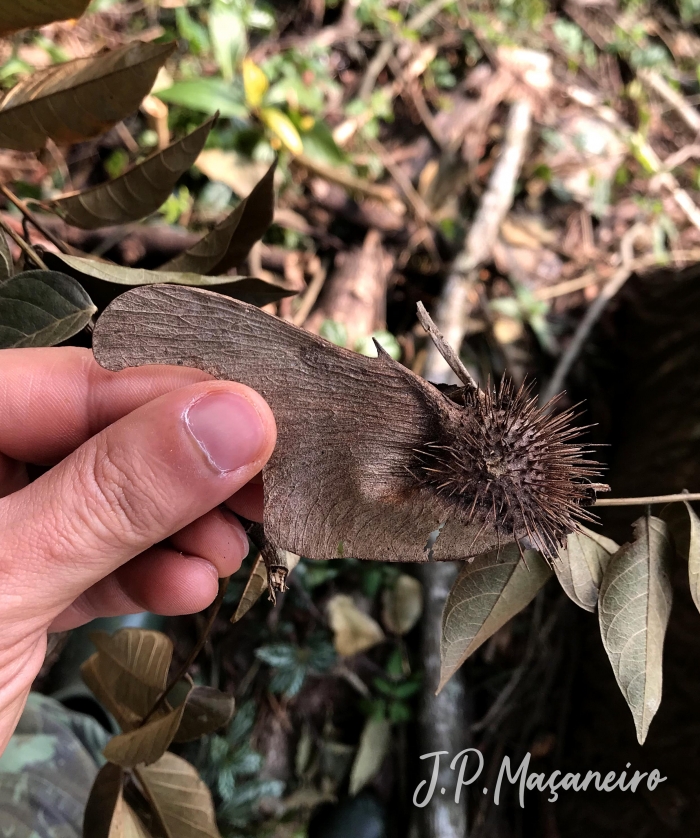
pixel 355 292
pixel 444 719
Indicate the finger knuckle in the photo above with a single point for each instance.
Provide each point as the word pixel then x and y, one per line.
pixel 125 499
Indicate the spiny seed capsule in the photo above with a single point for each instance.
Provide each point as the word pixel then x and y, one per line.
pixel 513 466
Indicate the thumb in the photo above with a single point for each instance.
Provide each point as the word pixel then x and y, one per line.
pixel 127 488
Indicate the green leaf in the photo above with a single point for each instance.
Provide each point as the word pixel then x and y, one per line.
pixel 319 145
pixel 242 724
pixel 278 654
pixel 288 681
pixel 684 526
pixel 79 99
pixel 26 14
pixel 206 96
pixel 488 591
pixel 228 36
pixel 229 243
pixel 42 308
pixel 136 193
pixel 191 31
pixel 374 746
pixel 107 815
pixel 181 799
pixel 7 266
pixel 399 712
pixel 581 565
pixel 104 281
pixel 334 331
pixel 633 610
pixel 146 744
pixel 283 128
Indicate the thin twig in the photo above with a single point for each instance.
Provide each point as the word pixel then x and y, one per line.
pixel 26 248
pixel 681 496
pixel 199 645
pixel 447 352
pixel 404 183
pixel 383 54
pixel 313 289
pixel 374 68
pixel 590 278
pixel 29 215
pixel 344 178
pixel 610 289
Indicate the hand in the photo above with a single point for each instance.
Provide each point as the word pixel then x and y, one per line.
pixel 128 517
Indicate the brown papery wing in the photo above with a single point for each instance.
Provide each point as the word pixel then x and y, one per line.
pixel 342 479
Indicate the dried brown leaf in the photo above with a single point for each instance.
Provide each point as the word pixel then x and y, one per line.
pixel 143 653
pixel 144 745
pixel 633 611
pixel 107 815
pixel 129 672
pixel 102 680
pixel 581 564
pixel 180 798
pixel 254 589
pixel 206 710
pixel 139 191
pixel 353 630
pixel 487 593
pixel 229 243
pixel 79 99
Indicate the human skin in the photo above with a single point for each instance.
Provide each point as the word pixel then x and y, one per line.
pixel 134 513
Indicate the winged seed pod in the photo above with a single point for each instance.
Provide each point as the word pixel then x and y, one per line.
pixel 371 460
